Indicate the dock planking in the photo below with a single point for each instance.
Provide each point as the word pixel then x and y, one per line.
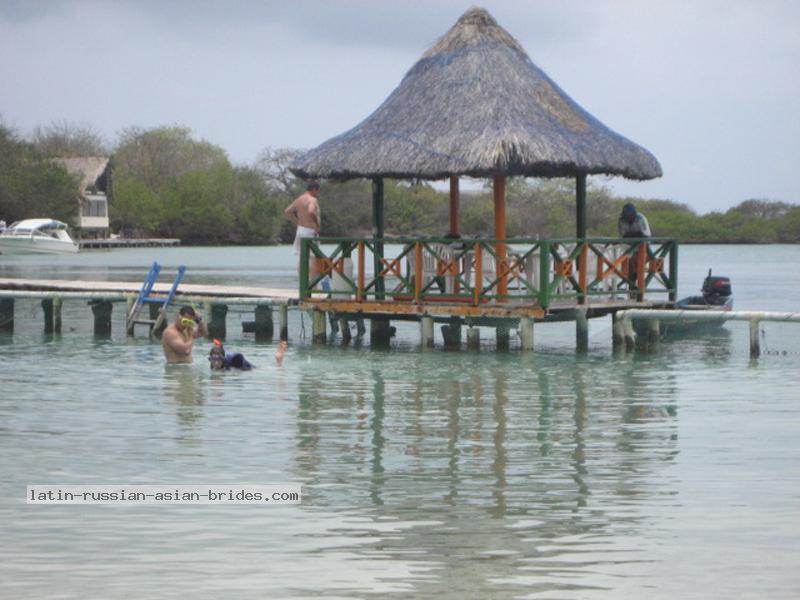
pixel 257 295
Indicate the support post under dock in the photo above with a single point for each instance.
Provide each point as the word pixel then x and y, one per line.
pixel 503 337
pixel 452 334
pixel 617 333
pixel 474 338
pixel 380 332
pixel 653 333
pixel 581 331
pixel 101 309
pixel 283 322
pixel 426 332
pixel 52 314
pixel 526 333
pixel 265 328
pixel 7 315
pixel 319 333
pixel 217 327
pixel 755 344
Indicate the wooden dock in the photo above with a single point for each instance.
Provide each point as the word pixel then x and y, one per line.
pixel 109 243
pixel 215 299
pixel 103 294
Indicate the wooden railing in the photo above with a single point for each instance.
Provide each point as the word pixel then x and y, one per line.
pixel 475 271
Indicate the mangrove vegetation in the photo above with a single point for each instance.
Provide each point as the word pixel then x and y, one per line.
pixel 164 182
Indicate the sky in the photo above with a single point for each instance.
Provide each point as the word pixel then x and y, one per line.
pixel 711 88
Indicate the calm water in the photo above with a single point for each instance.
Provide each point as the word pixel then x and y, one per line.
pixel 447 474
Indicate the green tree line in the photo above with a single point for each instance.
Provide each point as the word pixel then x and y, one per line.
pixel 166 183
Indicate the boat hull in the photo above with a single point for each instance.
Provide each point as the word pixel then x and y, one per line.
pixel 688 325
pixel 20 245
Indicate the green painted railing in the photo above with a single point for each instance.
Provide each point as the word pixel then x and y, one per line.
pixel 478 271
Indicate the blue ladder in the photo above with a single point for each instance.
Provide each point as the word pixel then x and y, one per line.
pixel 145 297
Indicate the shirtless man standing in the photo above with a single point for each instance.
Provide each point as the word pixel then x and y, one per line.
pixel 304 212
pixel 178 338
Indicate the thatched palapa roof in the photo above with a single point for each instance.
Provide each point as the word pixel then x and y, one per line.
pixel 89 169
pixel 476 105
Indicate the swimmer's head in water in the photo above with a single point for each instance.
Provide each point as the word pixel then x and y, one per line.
pixel 216 357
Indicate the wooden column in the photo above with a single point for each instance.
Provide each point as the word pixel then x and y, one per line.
pixel 451 334
pixel 7 314
pixel 283 321
pixel 52 314
pixel 319 333
pixel 426 331
pixel 455 228
pixel 377 233
pixel 217 322
pixel 102 317
pixel 617 333
pixel 474 338
pixel 580 206
pixel 264 325
pixel 526 325
pixel 500 229
pixel 581 331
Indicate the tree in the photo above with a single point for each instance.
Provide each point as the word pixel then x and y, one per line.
pixel 64 139
pixel 30 186
pixel 273 165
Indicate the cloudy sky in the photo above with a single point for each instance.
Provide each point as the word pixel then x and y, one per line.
pixel 712 88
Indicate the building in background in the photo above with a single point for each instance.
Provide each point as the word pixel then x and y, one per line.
pixel 93 174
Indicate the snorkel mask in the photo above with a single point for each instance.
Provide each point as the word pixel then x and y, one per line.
pixel 216 356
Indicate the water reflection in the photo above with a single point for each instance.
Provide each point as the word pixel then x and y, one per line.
pixel 574 455
pixel 186 388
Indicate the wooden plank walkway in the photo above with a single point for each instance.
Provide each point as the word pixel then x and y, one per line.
pixel 128 243
pixel 99 288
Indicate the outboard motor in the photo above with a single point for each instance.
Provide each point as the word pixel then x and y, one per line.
pixel 716 290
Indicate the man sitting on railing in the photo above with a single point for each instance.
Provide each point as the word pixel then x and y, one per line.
pixel 632 224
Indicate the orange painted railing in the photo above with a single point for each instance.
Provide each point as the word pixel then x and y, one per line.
pixel 477 271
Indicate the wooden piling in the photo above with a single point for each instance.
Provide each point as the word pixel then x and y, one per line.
pixel 334 322
pixel 755 343
pixel 451 333
pixel 526 333
pixel 216 326
pixel 7 315
pixel 380 332
pixel 344 325
pixel 653 332
pixel 630 336
pixel 617 333
pixel 47 307
pixel 264 326
pixel 426 332
pixel 319 333
pixel 283 322
pixel 503 337
pixel 474 338
pixel 581 331
pixel 101 309
pixel 57 303
pixel 361 329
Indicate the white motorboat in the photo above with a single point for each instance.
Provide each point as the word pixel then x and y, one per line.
pixel 37 236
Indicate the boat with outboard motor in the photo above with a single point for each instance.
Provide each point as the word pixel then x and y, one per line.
pixel 716 295
pixel 37 236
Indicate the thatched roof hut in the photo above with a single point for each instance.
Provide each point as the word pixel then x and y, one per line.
pixel 476 105
pixel 91 170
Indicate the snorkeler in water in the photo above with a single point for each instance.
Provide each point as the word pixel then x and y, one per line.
pixel 219 360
